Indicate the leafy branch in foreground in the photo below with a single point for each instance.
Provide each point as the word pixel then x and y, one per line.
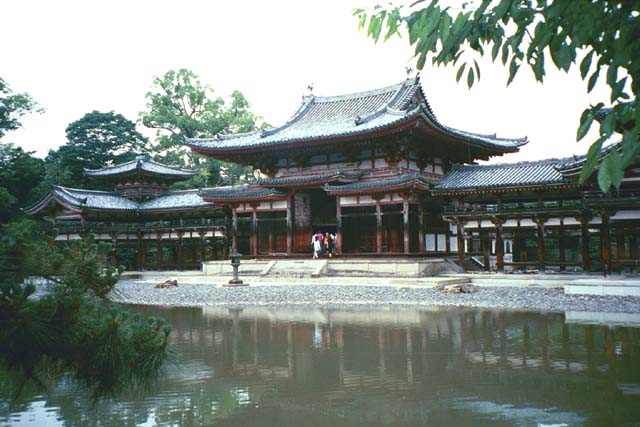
pixel 71 329
pixel 603 33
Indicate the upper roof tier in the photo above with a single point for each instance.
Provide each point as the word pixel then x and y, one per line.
pixel 324 120
pixel 142 165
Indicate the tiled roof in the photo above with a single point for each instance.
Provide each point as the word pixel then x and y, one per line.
pixel 175 200
pixel 327 117
pixel 573 166
pixel 400 181
pixel 239 192
pixel 89 199
pixel 142 164
pixel 112 201
pixel 321 178
pixel 474 177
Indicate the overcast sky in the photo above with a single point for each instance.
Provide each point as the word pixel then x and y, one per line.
pixel 74 57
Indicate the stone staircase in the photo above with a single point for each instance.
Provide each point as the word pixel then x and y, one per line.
pixel 295 268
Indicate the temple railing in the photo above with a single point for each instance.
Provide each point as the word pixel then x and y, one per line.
pixel 106 226
pixel 590 201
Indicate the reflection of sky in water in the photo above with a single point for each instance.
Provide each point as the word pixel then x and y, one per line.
pixel 37 415
pixel 520 416
pixel 291 367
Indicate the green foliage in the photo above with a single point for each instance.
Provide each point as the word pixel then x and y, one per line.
pixel 525 32
pixel 13 107
pixel 71 329
pixel 179 106
pixel 96 140
pixel 20 174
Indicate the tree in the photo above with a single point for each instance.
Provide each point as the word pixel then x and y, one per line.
pixel 20 174
pixel 96 140
pixel 13 107
pixel 604 33
pixel 71 329
pixel 179 106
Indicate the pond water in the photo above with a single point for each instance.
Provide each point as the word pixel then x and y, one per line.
pixel 370 367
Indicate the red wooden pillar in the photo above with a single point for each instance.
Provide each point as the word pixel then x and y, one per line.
pixel 338 226
pixel 460 237
pixel 214 247
pixel 485 244
pixel 202 234
pixel 141 251
pixel 180 250
pixel 225 245
pixel 234 230
pixel 561 246
pixel 193 247
pixel 633 245
pixel 160 251
pixel 605 242
pixel 271 241
pixel 378 227
pixel 254 230
pixel 422 230
pixel 114 242
pixel 620 247
pixel 540 240
pixel 405 224
pixel 289 225
pixel 499 244
pixel 584 241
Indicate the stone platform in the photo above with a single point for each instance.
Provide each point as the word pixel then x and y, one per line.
pixel 349 267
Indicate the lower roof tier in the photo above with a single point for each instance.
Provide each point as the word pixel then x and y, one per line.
pixel 537 176
pixel 81 200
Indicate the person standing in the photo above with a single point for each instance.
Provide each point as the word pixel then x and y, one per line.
pixel 326 241
pixel 317 246
pixel 332 244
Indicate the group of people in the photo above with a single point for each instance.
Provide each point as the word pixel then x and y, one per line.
pixel 323 243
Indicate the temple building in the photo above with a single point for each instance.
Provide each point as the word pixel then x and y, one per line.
pixel 380 171
pixel 163 228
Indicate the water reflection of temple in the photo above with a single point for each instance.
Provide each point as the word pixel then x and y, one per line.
pixel 412 367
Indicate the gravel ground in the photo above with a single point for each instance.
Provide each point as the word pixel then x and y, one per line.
pixel 517 298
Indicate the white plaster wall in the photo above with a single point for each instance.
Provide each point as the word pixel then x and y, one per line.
pixel 366 200
pixel 381 163
pixel 348 200
pixel 510 223
pixel 552 221
pixel 430 242
pixel 626 215
pixel 453 244
pixel 526 222
pixel 570 221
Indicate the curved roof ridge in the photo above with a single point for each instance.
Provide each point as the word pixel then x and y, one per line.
pixel 524 163
pixel 69 190
pixel 307 103
pixel 174 167
pixel 516 142
pixel 384 107
pixel 139 164
pixel 356 95
pixel 106 168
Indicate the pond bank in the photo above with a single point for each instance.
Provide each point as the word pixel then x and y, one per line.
pixel 195 289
